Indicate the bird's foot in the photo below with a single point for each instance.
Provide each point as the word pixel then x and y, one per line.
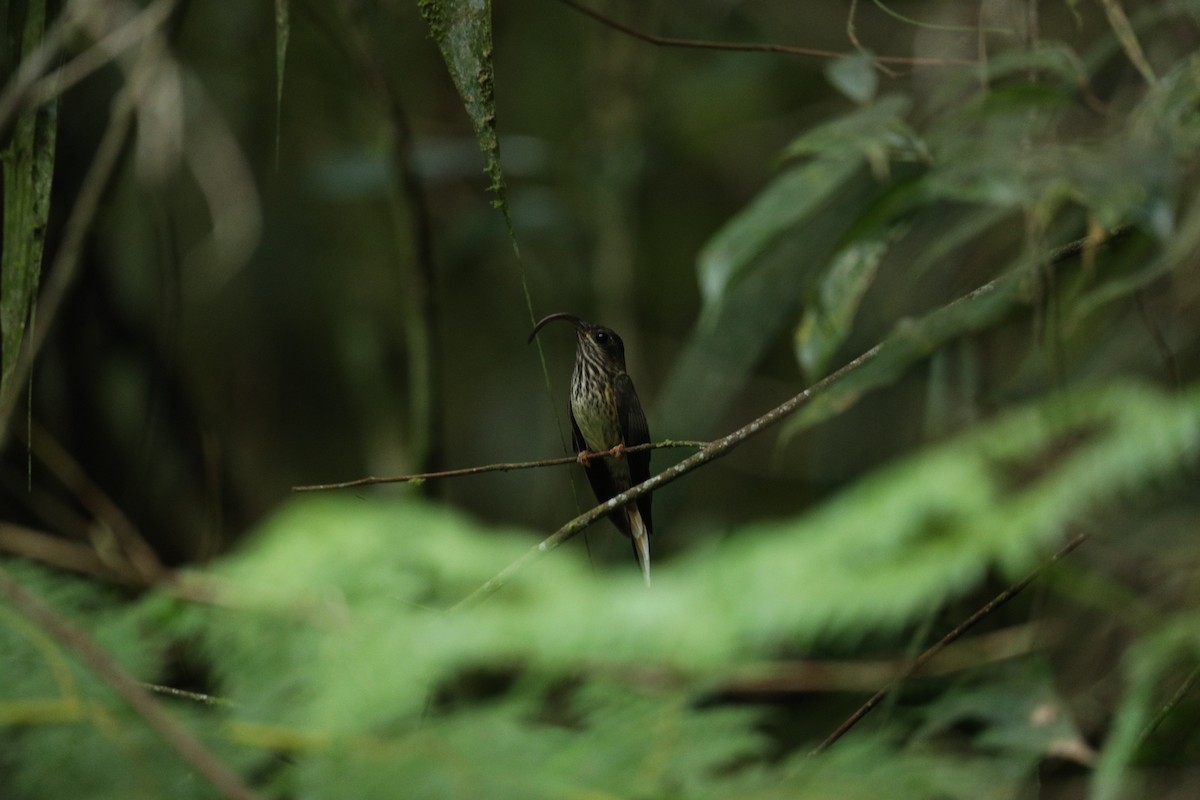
pixel 585 456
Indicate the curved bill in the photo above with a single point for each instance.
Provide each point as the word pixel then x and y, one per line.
pixel 571 318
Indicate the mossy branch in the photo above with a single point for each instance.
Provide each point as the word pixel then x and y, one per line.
pixel 710 452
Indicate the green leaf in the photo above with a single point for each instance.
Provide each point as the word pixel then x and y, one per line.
pixel 462 30
pixel 773 254
pixel 325 633
pixel 63 731
pixel 757 266
pixel 28 166
pixel 913 534
pixel 854 76
pixel 1125 34
pixel 1145 666
pixel 828 319
pixel 783 204
pixel 910 342
pixel 876 132
pixel 1015 708
pixel 863 767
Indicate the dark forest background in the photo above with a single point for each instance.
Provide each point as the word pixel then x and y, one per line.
pixel 253 246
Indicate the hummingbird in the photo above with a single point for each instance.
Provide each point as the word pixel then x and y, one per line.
pixel 607 418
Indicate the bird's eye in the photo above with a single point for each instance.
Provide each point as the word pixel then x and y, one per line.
pixel 601 337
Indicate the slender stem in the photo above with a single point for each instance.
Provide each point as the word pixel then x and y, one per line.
pixel 712 451
pixel 1188 683
pixel 184 694
pixel 61 554
pixel 751 47
pixel 720 447
pixel 457 473
pixel 412 221
pixel 132 545
pixel 191 749
pixel 963 627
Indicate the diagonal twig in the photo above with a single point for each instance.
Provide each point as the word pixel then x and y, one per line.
pixel 137 552
pixel 1188 684
pixel 712 451
pixel 506 467
pixel 752 47
pixel 178 737
pixel 720 447
pixel 59 553
pixel 964 626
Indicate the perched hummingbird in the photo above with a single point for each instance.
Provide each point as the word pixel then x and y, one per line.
pixel 606 418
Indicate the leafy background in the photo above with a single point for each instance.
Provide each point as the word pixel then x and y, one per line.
pixel 251 246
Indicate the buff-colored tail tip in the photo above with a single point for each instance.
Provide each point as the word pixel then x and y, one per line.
pixel 642 545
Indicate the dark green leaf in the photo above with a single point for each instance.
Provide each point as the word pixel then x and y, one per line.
pixel 828 319
pixel 854 76
pixel 28 164
pixel 463 32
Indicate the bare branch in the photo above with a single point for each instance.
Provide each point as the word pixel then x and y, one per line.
pixel 132 545
pixel 720 447
pixel 178 737
pixel 456 473
pixel 710 452
pixel 963 627
pixel 752 47
pixel 1188 684
pixel 57 552
pixel 184 694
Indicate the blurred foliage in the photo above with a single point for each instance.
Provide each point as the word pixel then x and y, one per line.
pixel 295 274
pixel 27 159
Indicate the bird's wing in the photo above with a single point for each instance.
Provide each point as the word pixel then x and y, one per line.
pixel 635 431
pixel 599 477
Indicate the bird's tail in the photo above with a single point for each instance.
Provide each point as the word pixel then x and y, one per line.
pixel 641 540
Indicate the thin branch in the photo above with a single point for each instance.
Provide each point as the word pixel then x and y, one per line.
pixel 32 67
pixel 993 604
pixel 752 47
pixel 457 473
pixel 1125 34
pixel 60 553
pixel 934 26
pixel 1188 683
pixel 852 35
pixel 720 447
pixel 420 294
pixel 810 676
pixel 121 39
pixel 191 587
pixel 184 694
pixel 132 545
pixel 851 29
pixel 712 451
pixel 178 737
pixel 1160 341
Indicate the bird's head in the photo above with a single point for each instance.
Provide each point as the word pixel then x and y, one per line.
pixel 594 342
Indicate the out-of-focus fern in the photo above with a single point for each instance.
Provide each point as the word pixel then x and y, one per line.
pixel 328 639
pixel 344 675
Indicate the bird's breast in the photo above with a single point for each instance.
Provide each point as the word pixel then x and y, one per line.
pixel 594 405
